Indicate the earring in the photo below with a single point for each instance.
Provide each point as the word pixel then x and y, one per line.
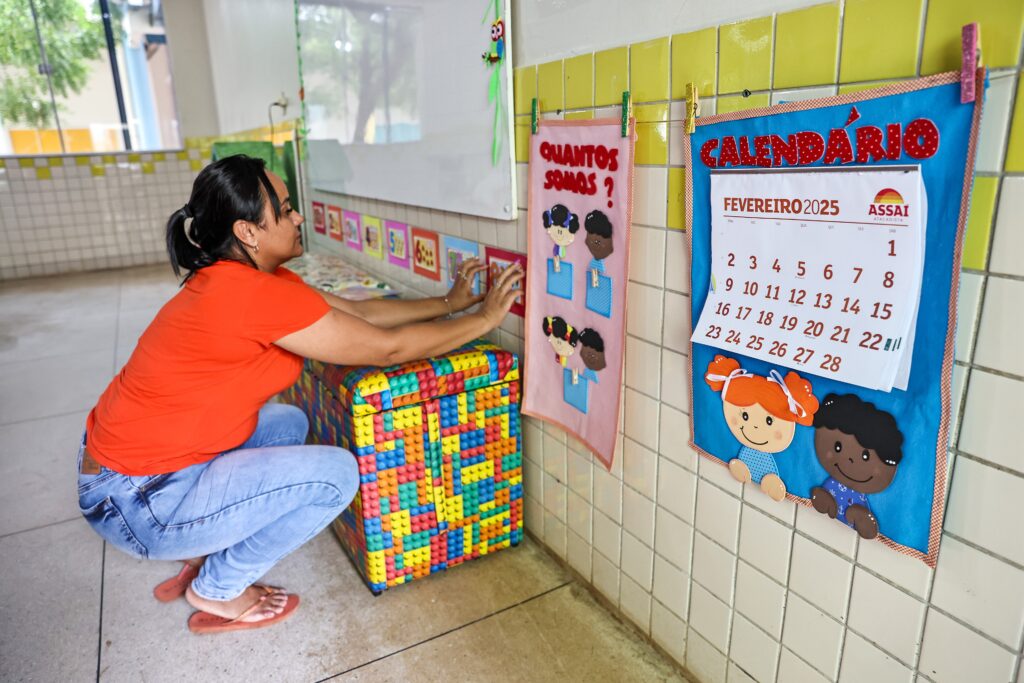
pixel 256 248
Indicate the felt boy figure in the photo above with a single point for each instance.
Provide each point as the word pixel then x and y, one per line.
pixel 599 242
pixel 860 447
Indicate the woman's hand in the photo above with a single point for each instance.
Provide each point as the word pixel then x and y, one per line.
pixel 461 296
pixel 502 295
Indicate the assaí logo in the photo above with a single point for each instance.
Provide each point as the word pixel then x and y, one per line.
pixel 889 203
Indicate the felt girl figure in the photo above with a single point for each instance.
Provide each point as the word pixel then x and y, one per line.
pixel 561 226
pixel 762 413
pixel 562 337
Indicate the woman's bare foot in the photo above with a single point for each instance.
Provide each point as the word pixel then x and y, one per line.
pixel 274 604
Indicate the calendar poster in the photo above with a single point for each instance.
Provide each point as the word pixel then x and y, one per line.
pixel 817 271
pixel 825 242
pixel 580 203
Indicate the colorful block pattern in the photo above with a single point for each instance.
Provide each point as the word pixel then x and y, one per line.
pixel 440 458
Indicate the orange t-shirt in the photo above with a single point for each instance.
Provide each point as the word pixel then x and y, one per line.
pixel 202 370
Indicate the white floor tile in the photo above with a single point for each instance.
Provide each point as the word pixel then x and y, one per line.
pixel 985 592
pixel 812 635
pixel 754 650
pixel 951 652
pixel 760 599
pixel 820 576
pixel 1001 326
pixel 862 661
pixel 886 615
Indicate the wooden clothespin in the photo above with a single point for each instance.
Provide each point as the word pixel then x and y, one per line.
pixel 594 281
pixel 575 376
pixel 970 60
pixel 533 117
pixel 626 106
pixel 692 108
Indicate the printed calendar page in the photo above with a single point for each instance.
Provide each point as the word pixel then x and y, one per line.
pixel 818 271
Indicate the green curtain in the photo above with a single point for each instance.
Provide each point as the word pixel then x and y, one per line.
pixel 280 161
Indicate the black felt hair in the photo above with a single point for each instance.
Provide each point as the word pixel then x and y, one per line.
pixel 231 189
pixel 559 214
pixel 554 325
pixel 590 337
pixel 598 224
pixel 873 428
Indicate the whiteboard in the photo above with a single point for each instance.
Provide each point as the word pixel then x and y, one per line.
pixel 397 103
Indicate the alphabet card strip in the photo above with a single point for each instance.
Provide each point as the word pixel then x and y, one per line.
pixel 580 208
pixel 320 220
pixel 398 243
pixel 457 250
pixel 426 254
pixel 497 260
pixel 825 241
pixel 373 243
pixel 353 230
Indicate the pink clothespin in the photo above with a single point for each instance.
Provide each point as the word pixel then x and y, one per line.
pixel 970 58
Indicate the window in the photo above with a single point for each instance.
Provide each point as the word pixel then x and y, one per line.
pixel 80 76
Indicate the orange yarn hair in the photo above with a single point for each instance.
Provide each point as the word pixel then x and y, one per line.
pixel 746 390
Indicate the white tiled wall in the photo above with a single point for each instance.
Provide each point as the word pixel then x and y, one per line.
pixel 733 585
pixel 77 213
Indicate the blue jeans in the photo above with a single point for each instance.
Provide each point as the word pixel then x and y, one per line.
pixel 244 510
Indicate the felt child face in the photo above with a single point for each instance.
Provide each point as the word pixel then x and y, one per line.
pixel 756 428
pixel 600 247
pixel 593 358
pixel 849 463
pixel 560 235
pixel 562 346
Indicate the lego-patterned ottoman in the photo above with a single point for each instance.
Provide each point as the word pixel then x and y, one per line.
pixel 440 458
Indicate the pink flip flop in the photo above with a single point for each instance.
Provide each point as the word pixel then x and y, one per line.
pixel 175 587
pixel 204 622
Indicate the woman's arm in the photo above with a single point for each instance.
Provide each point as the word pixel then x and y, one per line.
pixel 395 312
pixel 346 339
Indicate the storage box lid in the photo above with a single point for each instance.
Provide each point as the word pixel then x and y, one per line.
pixel 365 390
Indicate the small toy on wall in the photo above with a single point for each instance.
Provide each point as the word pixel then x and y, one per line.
pixel 320 219
pixel 762 413
pixel 599 242
pixel 334 222
pixel 398 243
pixel 561 224
pixel 372 242
pixel 353 230
pixel 860 447
pixel 426 260
pixel 562 337
pixel 497 51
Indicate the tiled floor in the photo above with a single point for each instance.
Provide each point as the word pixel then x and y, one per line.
pixel 74 609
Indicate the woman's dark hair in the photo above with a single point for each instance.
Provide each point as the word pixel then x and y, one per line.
pixel 598 224
pixel 560 215
pixel 873 428
pixel 590 337
pixel 231 189
pixel 555 325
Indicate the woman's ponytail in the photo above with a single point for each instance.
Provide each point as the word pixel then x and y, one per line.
pixel 184 248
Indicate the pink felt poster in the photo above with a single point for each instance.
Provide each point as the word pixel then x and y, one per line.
pixel 580 207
